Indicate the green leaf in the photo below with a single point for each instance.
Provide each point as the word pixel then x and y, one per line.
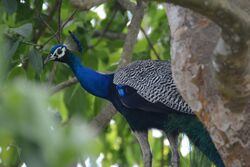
pixel 10 6
pixel 25 13
pixel 36 60
pixel 38 4
pixel 78 101
pixel 16 72
pixel 11 46
pixel 24 30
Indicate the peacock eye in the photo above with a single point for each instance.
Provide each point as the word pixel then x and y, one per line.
pixel 59 51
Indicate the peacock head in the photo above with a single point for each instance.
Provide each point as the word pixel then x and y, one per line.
pixel 60 52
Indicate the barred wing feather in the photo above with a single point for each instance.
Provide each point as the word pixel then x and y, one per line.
pixel 153 81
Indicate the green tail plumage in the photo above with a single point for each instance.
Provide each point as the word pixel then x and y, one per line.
pixel 197 134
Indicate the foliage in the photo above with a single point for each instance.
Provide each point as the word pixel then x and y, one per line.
pixel 27 114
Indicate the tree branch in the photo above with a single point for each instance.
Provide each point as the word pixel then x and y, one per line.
pixel 63 85
pixel 211 69
pixel 133 31
pixel 86 4
pixel 103 118
pixel 126 4
pixel 231 55
pixel 150 44
pixel 222 12
pixel 42 29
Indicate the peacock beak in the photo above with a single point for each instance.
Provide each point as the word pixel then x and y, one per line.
pixel 49 58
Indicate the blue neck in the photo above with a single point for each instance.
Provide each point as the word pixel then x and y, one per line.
pixel 92 81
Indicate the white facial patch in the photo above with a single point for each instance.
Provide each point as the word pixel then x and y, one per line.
pixel 63 49
pixel 58 53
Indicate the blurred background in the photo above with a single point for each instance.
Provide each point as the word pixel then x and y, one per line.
pixel 43 129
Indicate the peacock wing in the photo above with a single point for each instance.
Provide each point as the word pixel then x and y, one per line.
pixel 153 82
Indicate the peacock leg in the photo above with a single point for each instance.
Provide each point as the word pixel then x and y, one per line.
pixel 142 137
pixel 173 141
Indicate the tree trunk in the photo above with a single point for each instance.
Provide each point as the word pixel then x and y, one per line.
pixel 216 84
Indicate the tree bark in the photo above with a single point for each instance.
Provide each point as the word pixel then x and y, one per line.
pixel 210 66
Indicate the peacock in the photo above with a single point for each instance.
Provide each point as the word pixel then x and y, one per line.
pixel 145 94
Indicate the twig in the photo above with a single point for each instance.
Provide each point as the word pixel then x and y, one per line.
pixel 48 26
pixel 63 85
pixel 31 43
pixel 110 35
pixel 105 29
pixel 150 44
pixel 64 24
pixel 59 20
pixel 59 31
pixel 69 18
pixel 41 30
pixel 50 38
